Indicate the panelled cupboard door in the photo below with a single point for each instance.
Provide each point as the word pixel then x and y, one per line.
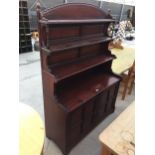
pixel 83 119
pixel 99 108
pixel 74 131
pixel 104 103
pixel 111 98
pixel 88 116
pixel 74 135
pixel 80 122
pixel 101 105
pixel 75 117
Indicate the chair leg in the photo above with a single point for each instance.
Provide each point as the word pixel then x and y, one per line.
pixel 125 89
pixel 131 86
pixel 124 93
pixel 105 151
pixel 42 151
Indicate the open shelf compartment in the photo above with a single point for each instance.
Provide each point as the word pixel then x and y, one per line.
pixel 65 44
pixel 79 90
pixel 66 70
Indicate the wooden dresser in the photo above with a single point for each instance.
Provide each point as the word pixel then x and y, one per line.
pixel 79 86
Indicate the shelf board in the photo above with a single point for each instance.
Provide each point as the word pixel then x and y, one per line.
pixel 23 21
pixel 22 0
pixel 24 28
pixel 27 46
pixel 24 15
pixel 21 34
pixel 22 40
pixel 79 42
pixel 25 34
pixel 67 70
pixel 76 21
pixel 84 89
pixel 21 7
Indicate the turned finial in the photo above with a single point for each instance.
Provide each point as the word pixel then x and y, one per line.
pixel 109 11
pixel 38 8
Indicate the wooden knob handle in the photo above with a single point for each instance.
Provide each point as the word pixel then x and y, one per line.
pixel 97 90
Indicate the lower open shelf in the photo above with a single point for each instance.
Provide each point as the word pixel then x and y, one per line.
pixel 82 89
pixel 67 70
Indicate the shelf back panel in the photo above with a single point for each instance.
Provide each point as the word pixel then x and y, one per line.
pixel 67 11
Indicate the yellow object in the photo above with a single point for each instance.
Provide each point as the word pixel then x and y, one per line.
pixel 119 136
pixel 31 131
pixel 35 35
pixel 124 60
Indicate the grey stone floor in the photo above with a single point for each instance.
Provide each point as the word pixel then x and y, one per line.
pixel 30 87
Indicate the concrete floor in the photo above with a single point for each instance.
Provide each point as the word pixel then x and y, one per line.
pixel 30 87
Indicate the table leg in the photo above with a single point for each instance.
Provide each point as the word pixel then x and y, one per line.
pixel 105 151
pixel 42 152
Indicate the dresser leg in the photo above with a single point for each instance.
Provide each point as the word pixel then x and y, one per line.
pixel 105 151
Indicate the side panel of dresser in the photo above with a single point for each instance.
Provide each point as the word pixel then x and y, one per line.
pixel 55 115
pixel 55 122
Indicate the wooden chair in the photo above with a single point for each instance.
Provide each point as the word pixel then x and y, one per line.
pixel 128 80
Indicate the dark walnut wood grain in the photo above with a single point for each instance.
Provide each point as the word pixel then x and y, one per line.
pixel 70 43
pixel 84 91
pixel 79 86
pixel 75 67
pixel 77 21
